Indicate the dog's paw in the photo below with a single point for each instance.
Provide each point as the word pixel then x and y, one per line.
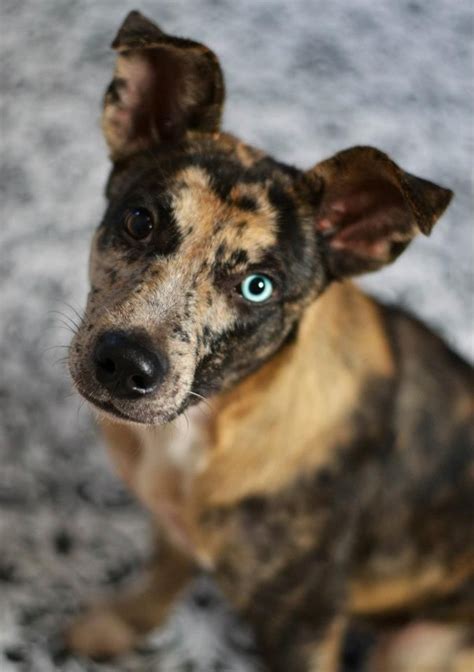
pixel 100 634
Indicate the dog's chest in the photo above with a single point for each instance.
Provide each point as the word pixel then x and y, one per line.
pixel 172 456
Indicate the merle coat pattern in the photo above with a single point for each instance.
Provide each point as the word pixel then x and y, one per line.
pixel 327 471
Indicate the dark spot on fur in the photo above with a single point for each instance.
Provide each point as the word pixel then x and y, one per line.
pixel 180 334
pixel 246 203
pixel 220 252
pixel 224 267
pixel 290 236
pixel 238 257
pixel 218 226
pixel 206 335
pixel 253 506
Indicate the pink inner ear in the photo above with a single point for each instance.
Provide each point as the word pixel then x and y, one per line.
pixel 137 73
pixel 151 86
pixel 365 220
pixel 135 78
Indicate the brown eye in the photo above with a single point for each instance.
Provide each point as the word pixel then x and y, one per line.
pixel 138 224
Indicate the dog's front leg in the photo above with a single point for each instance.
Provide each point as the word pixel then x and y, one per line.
pixel 113 627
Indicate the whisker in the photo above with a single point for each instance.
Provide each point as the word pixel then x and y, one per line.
pixel 82 401
pixel 187 422
pixel 203 399
pixel 63 325
pixel 54 347
pixel 64 316
pixel 76 312
pixel 61 360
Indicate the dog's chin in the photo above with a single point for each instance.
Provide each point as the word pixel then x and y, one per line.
pixel 108 410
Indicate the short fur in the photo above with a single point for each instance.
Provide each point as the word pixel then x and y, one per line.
pixel 329 476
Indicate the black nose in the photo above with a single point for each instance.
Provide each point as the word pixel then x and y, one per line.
pixel 127 368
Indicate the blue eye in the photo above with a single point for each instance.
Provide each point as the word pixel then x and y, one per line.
pixel 256 288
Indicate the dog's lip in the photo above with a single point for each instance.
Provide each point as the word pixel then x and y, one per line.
pixel 109 408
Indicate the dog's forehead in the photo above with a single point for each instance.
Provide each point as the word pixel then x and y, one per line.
pixel 218 196
pixel 243 217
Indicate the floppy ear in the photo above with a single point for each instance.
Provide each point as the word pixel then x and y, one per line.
pixel 369 209
pixel 163 86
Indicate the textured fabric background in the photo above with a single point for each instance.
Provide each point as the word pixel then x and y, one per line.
pixel 305 78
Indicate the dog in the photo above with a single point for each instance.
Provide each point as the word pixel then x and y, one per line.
pixel 326 473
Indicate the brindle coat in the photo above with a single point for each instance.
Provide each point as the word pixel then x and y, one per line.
pixel 330 475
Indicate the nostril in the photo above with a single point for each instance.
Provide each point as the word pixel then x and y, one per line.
pixel 107 365
pixel 138 383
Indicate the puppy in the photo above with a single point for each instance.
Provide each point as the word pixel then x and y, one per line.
pixel 326 473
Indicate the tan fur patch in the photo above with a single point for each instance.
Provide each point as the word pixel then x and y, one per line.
pixel 325 655
pixel 197 205
pixel 269 449
pixel 372 596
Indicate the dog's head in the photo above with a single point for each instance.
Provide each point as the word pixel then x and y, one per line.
pixel 209 250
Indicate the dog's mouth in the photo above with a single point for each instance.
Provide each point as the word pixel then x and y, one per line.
pixel 109 408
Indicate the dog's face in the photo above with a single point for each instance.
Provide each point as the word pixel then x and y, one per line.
pixel 209 251
pixel 200 260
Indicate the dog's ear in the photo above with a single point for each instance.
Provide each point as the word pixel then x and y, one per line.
pixel 369 209
pixel 163 86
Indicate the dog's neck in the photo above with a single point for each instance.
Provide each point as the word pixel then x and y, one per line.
pixel 306 394
pixel 284 420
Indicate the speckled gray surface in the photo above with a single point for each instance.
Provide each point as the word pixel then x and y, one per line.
pixel 305 79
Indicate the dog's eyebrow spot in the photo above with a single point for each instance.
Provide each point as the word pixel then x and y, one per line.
pixel 220 252
pixel 206 335
pixel 181 334
pixel 224 267
pixel 248 203
pixel 234 257
pixel 239 257
pixel 219 225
